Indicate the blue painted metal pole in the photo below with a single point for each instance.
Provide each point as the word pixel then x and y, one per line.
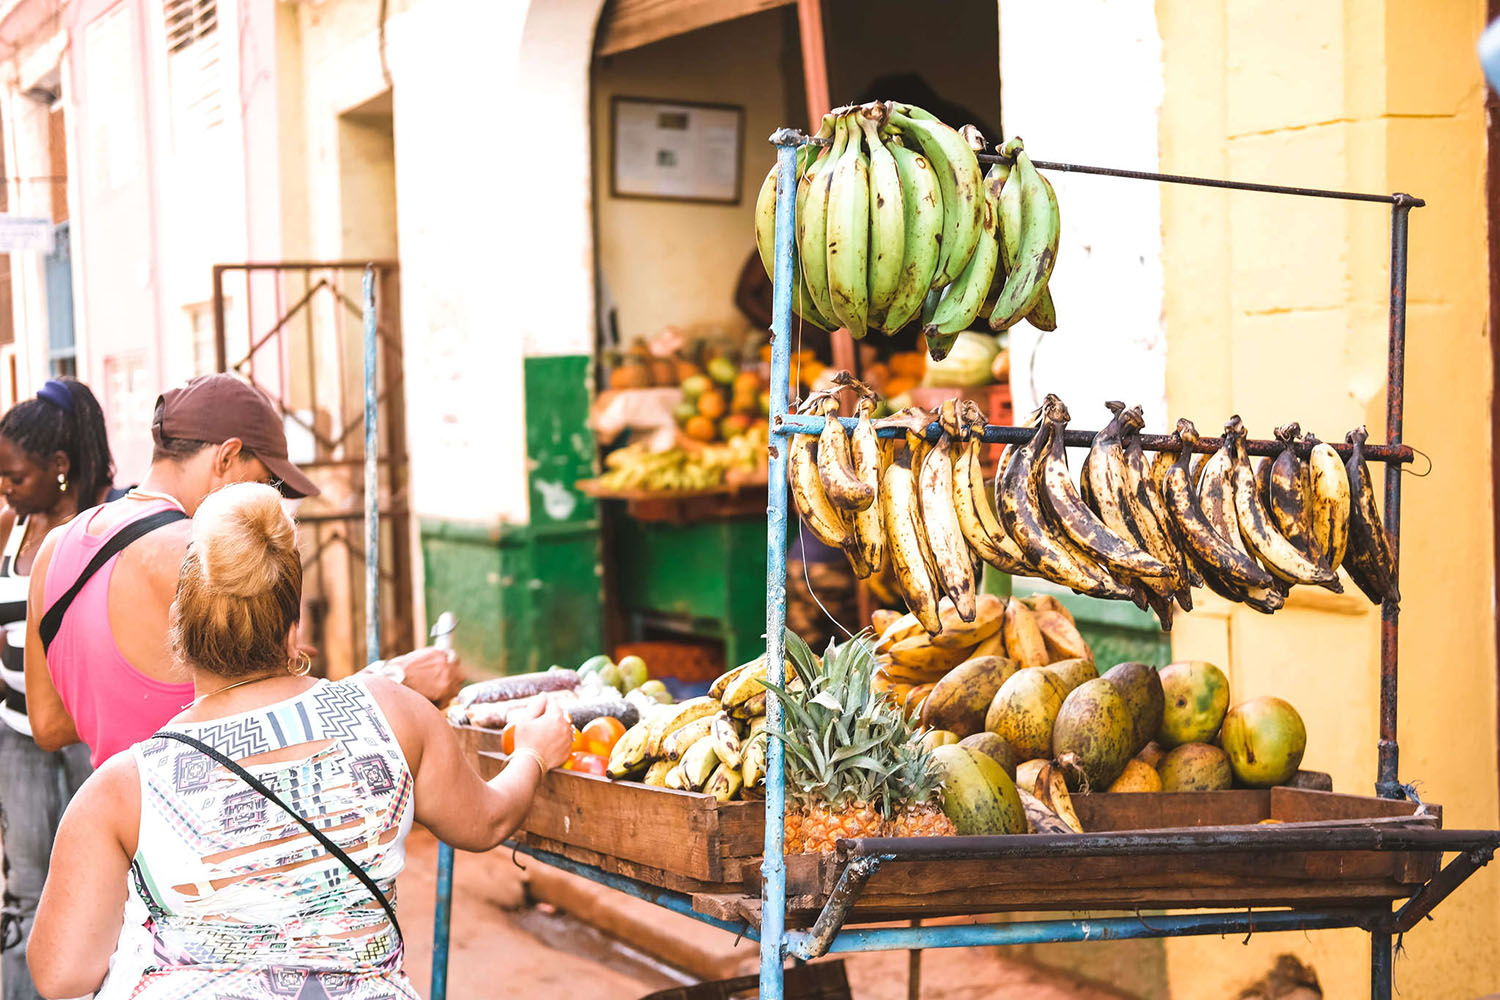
pixel 1107 929
pixel 442 921
pixel 773 865
pixel 372 479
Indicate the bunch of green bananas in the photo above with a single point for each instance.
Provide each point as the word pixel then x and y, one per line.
pixel 896 222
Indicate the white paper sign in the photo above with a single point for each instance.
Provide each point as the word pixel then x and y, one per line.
pixel 20 232
pixel 665 150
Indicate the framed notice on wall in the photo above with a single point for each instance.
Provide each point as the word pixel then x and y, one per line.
pixel 676 149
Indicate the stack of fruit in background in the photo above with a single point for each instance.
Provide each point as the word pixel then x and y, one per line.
pixel 720 418
pixel 896 223
pixel 1131 528
pixel 723 403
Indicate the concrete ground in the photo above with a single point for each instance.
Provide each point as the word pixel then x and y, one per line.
pixel 520 932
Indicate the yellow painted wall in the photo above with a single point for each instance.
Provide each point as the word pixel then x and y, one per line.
pixel 1275 309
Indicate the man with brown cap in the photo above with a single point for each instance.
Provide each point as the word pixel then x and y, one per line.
pixel 103 585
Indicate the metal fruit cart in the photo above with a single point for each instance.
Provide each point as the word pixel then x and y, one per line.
pixel 1375 864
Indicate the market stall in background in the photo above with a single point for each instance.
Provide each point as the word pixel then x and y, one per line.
pixel 684 360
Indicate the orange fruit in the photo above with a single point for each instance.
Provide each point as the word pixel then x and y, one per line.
pixel 712 405
pixel 600 735
pixel 699 428
pixel 734 425
pixel 747 383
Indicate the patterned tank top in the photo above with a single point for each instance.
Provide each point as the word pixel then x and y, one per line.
pixel 229 898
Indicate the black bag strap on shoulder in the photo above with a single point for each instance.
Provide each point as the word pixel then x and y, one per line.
pixel 354 868
pixel 52 620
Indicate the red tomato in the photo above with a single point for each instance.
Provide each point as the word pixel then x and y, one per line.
pixel 601 735
pixel 588 763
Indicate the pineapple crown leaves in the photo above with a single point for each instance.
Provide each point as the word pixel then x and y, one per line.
pixel 844 740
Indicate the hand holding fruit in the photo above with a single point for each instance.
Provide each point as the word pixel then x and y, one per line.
pixel 546 729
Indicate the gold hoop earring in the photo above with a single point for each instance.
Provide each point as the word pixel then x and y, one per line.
pixel 300 667
pixel 62 483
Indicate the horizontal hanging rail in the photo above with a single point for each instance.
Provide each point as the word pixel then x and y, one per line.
pixel 1402 200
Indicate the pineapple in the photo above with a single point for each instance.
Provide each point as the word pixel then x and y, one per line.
pixel 852 767
pixel 921 814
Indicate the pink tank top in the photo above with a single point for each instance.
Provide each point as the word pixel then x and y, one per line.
pixel 113 705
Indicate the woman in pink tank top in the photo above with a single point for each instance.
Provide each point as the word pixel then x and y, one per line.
pixel 113 704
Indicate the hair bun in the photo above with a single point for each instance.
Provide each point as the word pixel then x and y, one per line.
pixel 242 535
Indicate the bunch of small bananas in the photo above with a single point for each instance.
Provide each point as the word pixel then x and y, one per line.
pixel 1251 533
pixel 896 222
pixel 1149 530
pixel 715 744
pixel 1132 529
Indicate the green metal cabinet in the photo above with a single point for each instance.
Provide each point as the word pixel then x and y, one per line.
pixel 705 578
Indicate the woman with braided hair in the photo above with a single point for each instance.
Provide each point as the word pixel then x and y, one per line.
pixel 54 462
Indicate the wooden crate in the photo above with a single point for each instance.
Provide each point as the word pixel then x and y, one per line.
pixel 1174 878
pixel 677 840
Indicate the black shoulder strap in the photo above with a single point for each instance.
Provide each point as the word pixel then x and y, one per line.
pixel 52 620
pixel 328 845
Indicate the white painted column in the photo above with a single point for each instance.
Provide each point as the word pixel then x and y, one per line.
pixel 1081 81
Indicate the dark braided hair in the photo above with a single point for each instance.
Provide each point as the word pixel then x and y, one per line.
pixel 41 427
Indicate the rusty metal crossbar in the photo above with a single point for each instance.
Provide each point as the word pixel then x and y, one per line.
pixel 1001 434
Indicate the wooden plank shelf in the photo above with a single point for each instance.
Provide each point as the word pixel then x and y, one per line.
pixel 710 851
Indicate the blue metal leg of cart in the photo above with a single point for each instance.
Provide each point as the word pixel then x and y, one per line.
pixel 442 921
pixel 773 866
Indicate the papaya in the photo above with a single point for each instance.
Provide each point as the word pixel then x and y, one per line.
pixel 1195 767
pixel 1264 739
pixel 979 798
pixel 1151 754
pixel 1024 710
pixel 1196 696
pixel 992 746
pixel 1073 672
pixel 1091 738
pixel 1138 776
pixel 1140 686
pixel 934 738
pixel 961 700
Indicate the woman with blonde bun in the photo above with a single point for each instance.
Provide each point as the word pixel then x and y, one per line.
pixel 253 844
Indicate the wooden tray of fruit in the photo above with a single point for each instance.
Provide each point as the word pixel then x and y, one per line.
pixel 685 841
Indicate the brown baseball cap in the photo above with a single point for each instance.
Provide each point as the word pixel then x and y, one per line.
pixel 215 408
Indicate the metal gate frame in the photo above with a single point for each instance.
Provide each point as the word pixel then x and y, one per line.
pixel 341 448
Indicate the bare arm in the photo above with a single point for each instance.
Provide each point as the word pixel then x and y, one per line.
pixel 452 801
pixel 51 725
pixel 83 903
